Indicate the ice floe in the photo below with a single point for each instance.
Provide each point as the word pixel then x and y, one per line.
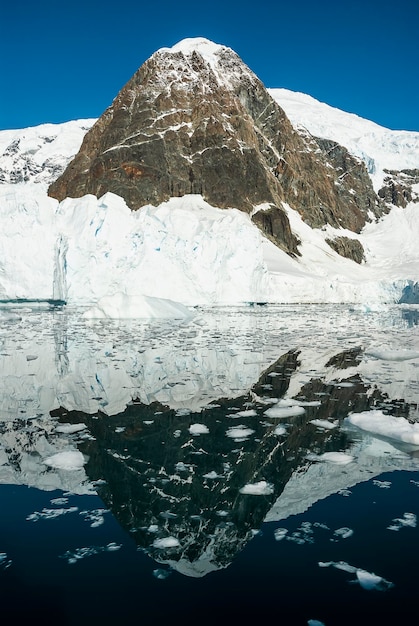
pixel 261 488
pixel 379 423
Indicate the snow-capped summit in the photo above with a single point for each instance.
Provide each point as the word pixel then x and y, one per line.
pixel 194 119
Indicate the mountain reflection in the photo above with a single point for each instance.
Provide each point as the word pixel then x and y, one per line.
pixel 177 420
pixel 164 483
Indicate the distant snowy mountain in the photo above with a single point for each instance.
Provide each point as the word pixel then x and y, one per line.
pixel 198 248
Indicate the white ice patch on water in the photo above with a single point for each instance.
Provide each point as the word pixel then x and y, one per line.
pixel 239 433
pixel 393 355
pixel 280 430
pixel 325 424
pixel 73 556
pixel 340 458
pixel 50 513
pixel 367 580
pixel 166 542
pixel 280 533
pixel 198 429
pixel 285 408
pixel 262 488
pixel 379 423
pixel 212 475
pixel 408 520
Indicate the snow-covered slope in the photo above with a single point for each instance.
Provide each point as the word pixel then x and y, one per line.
pixel 379 147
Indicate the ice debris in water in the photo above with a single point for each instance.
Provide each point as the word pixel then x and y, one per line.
pixel 166 542
pixel 314 622
pixel 367 580
pixel 382 484
pixel 262 488
pixel 325 424
pixel 340 458
pixel 379 423
pixel 95 517
pixel 161 574
pixel 285 408
pixel 198 429
pixel 279 533
pixel 343 533
pixel 393 355
pixel 239 433
pixel 212 475
pixel 408 519
pixel 5 562
pixel 50 513
pixel 280 430
pixel 81 553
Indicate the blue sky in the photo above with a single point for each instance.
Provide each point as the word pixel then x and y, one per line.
pixel 63 61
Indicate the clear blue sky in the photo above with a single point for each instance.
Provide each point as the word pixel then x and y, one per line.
pixel 68 60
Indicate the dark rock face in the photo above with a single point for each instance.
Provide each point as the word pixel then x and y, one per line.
pixel 184 124
pixel 349 248
pixel 397 187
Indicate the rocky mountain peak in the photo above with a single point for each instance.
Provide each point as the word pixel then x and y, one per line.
pixel 194 119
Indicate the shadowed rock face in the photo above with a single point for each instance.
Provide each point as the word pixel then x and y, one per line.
pixel 186 124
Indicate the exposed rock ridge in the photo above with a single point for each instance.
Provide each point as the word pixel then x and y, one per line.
pixel 192 123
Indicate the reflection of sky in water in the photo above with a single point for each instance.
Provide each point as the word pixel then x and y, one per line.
pixel 198 435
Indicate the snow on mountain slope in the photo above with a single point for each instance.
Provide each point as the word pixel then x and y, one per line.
pixel 379 147
pixel 39 154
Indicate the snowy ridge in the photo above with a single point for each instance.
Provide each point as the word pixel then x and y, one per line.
pixel 379 147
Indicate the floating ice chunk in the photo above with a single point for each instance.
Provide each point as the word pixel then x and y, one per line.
pixel 239 433
pixel 370 581
pixel 70 428
pixel 367 580
pixel 280 533
pixel 408 519
pixel 123 306
pixel 262 488
pixel 161 574
pixel 382 484
pixel 212 475
pixel 69 460
pixel 393 355
pixel 198 429
pixel 314 622
pixel 166 542
pixel 344 532
pixel 153 528
pixel 50 513
pixel 323 424
pixel 285 408
pixel 280 430
pixel 247 413
pixel 386 425
pixel 332 457
pixel 5 562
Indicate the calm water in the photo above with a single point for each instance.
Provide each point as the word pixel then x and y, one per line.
pixel 171 423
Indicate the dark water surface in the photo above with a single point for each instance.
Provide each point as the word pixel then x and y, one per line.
pixel 144 480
